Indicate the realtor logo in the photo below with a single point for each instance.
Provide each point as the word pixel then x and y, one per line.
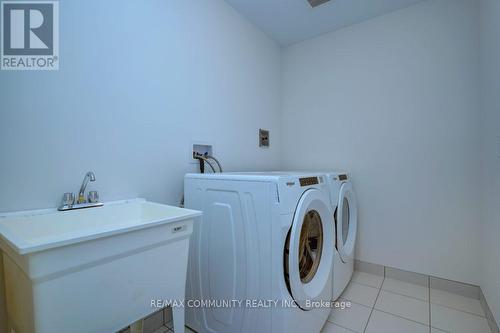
pixel 30 35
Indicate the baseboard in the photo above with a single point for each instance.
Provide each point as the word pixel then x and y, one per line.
pixel 456 287
pixel 489 315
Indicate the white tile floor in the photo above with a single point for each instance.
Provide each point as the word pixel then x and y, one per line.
pixel 383 305
pixel 391 306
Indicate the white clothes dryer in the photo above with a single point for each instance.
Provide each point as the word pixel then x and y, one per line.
pixel 344 206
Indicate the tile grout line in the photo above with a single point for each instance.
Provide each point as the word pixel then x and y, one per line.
pixel 399 294
pixel 376 299
pixel 357 303
pixel 366 285
pixel 408 296
pixel 348 329
pixel 405 318
pixel 459 310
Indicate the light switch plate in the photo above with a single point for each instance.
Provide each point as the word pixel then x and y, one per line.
pixel 263 138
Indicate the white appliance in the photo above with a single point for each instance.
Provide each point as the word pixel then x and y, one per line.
pixel 262 237
pixel 344 206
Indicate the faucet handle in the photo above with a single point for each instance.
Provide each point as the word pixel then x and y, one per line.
pixel 81 199
pixel 68 199
pixel 93 196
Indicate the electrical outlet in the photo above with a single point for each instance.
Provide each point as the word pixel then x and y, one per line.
pixel 263 138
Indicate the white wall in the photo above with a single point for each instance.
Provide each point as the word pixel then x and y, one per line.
pixel 138 81
pixel 394 100
pixel 490 75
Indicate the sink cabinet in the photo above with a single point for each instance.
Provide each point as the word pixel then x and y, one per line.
pixel 97 280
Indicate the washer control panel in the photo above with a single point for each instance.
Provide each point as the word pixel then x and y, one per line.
pixel 343 177
pixel 308 181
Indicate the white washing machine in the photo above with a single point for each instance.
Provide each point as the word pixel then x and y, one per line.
pixel 267 240
pixel 344 206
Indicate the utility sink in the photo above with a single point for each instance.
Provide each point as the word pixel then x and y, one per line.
pixel 93 270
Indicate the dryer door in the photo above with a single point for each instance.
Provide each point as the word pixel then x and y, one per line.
pixel 346 222
pixel 310 250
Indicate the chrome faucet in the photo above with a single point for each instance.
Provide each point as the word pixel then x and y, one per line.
pixel 89 176
pixel 68 201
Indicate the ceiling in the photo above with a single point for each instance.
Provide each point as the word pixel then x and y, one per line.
pixel 291 21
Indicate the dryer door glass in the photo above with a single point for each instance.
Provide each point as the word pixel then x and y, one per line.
pixel 346 223
pixel 310 245
pixel 345 219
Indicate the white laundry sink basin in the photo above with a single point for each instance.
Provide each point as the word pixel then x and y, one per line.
pixel 92 270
